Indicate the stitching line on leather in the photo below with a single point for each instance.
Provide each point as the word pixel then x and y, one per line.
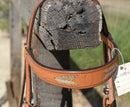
pixel 73 72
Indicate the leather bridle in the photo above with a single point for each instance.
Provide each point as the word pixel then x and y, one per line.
pixel 66 78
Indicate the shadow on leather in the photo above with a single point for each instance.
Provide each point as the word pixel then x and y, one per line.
pixel 91 94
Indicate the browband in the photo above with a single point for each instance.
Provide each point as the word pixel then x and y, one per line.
pixel 75 79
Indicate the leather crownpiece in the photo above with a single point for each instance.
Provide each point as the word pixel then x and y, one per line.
pixel 68 80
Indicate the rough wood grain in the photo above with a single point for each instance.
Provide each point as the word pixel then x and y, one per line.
pixel 47 95
pixel 15 43
pixel 67 24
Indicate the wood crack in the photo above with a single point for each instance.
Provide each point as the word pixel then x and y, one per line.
pixel 51 36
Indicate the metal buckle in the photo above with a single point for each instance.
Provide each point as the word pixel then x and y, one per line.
pixel 106 89
pixel 106 95
pixel 31 105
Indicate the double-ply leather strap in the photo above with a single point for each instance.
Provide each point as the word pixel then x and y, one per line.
pixel 27 70
pixel 75 79
pixel 65 78
pixel 31 24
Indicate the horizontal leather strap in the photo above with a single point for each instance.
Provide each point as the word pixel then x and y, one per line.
pixel 75 79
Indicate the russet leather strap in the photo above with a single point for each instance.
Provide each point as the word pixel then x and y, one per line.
pixel 66 78
pixel 74 79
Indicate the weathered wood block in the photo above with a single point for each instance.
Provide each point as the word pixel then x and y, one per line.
pixel 67 24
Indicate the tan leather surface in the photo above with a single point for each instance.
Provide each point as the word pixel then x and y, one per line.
pixel 28 85
pixel 74 79
pixel 31 23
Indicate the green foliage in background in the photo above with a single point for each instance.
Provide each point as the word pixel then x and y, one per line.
pixel 119 26
pixel 87 58
pixel 4 14
pixel 120 29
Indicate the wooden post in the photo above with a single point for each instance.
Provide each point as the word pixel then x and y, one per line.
pixel 13 86
pixel 68 25
pixel 47 95
pixel 62 25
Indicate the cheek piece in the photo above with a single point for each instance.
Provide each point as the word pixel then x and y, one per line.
pixel 66 78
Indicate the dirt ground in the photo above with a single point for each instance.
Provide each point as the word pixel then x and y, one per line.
pixel 4 62
pixel 121 6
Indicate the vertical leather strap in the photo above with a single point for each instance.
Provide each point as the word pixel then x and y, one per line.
pixel 31 24
pixel 27 78
pixel 27 71
pixel 107 58
pixel 28 85
pixel 23 86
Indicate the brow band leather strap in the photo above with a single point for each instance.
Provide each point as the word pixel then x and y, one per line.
pixel 75 79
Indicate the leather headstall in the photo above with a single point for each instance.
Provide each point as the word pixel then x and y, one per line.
pixel 66 78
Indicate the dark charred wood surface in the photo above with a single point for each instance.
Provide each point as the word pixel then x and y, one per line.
pixel 47 95
pixel 67 24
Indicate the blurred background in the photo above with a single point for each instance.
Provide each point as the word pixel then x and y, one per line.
pixel 117 14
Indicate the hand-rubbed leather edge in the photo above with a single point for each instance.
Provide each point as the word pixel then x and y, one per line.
pixel 82 79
